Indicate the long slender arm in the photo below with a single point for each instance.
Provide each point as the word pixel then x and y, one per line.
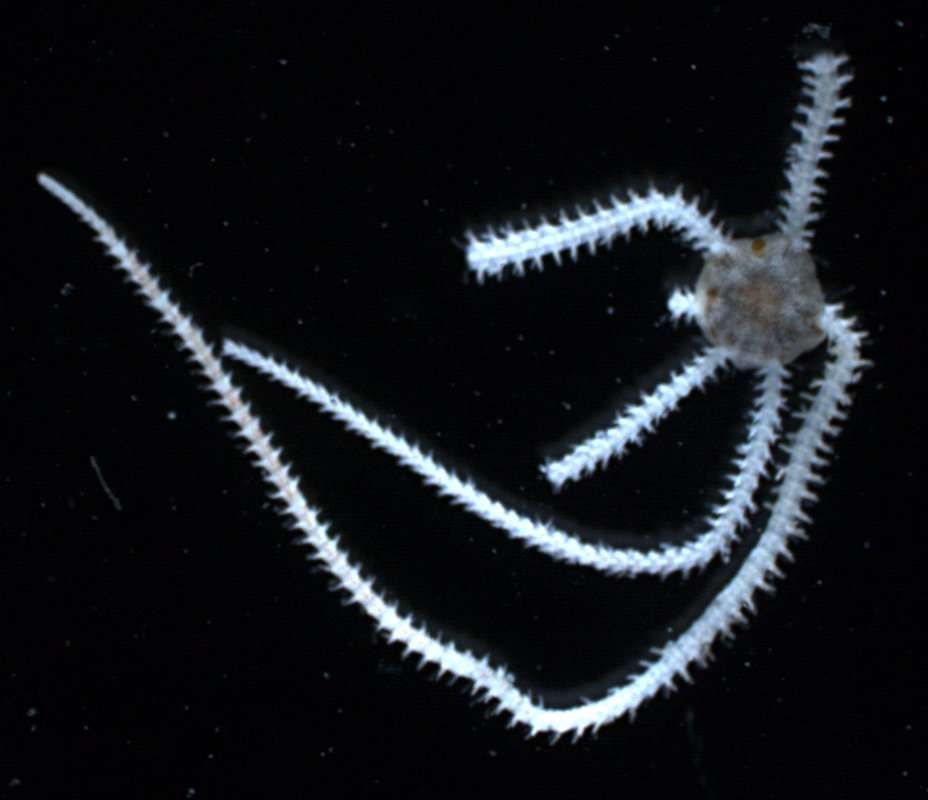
pixel 755 455
pixel 490 253
pixel 818 116
pixel 634 421
pixel 543 536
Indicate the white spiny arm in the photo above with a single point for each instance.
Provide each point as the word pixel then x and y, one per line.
pixel 492 252
pixel 542 536
pixel 634 421
pixel 682 306
pixel 755 454
pixel 818 114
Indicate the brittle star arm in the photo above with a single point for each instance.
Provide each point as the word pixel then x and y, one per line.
pixel 755 454
pixel 544 536
pixel 682 306
pixel 818 115
pixel 490 253
pixel 642 417
pixel 634 421
pixel 495 685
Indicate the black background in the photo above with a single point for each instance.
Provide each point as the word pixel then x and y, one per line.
pixel 305 181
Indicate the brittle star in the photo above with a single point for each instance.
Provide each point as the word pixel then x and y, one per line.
pixel 759 305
